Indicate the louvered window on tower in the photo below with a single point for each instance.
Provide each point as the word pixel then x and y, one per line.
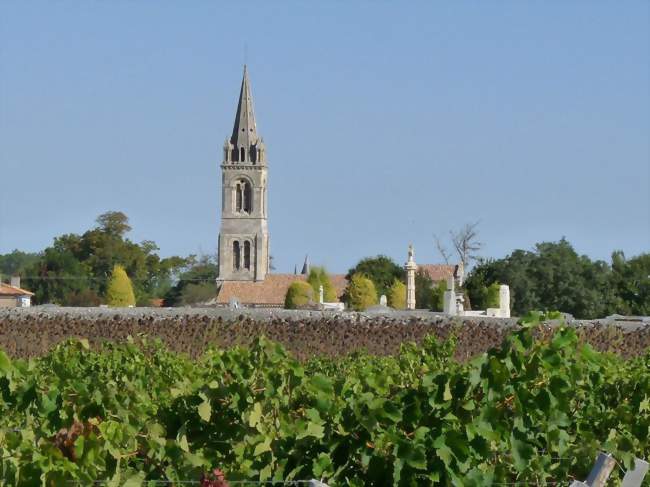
pixel 248 198
pixel 236 256
pixel 242 154
pixel 247 255
pixel 238 197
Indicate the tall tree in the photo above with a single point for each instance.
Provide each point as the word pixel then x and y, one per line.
pixel 555 277
pixel 381 270
pixel 16 263
pixel 318 277
pixel 75 263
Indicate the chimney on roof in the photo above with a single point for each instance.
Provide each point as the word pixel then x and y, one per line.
pixel 15 281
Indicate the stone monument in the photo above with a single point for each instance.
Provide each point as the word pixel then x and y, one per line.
pixel 410 268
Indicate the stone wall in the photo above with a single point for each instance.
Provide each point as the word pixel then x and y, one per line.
pixel 29 332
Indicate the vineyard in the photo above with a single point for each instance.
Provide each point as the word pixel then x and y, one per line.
pixel 533 411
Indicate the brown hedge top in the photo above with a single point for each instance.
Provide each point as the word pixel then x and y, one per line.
pixel 31 332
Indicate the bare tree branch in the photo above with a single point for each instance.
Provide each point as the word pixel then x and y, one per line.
pixel 466 243
pixel 442 250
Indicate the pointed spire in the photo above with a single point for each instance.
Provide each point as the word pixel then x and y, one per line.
pixel 244 132
pixel 305 266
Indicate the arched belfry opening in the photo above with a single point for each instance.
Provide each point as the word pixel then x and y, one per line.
pixel 243 196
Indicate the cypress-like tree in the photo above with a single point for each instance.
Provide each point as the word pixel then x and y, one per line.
pixel 318 277
pixel 397 295
pixel 361 293
pixel 120 290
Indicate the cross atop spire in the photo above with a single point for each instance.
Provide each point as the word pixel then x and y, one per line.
pixel 244 132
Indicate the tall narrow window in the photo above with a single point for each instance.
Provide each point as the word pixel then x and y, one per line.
pixel 247 255
pixel 239 197
pixel 248 198
pixel 236 256
pixel 252 154
pixel 242 154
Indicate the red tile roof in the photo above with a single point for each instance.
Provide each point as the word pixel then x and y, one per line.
pixel 269 292
pixel 438 272
pixel 7 290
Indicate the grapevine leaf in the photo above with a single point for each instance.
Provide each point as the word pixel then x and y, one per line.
pixel 135 480
pixel 521 451
pixel 205 410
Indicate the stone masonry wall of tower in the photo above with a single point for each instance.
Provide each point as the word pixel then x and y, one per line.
pixel 243 237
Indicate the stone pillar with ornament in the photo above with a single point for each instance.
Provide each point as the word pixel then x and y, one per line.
pixel 410 268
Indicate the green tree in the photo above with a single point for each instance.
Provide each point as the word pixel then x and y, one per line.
pixel 57 276
pixel 381 270
pixel 397 295
pixel 195 293
pixel 120 290
pixel 298 295
pixel 554 277
pixel 75 263
pixel 630 284
pixel 318 276
pixel 423 290
pixel 198 271
pixel 438 296
pixel 114 223
pixel 16 263
pixel 361 292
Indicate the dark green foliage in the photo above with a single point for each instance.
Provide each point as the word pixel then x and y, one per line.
pixel 535 411
pixel 438 296
pixel 298 295
pixel 554 276
pixel 16 263
pixel 201 272
pixel 381 270
pixel 195 293
pixel 423 290
pixel 631 284
pixel 81 265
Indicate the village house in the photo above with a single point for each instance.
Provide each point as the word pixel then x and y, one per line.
pixel 13 296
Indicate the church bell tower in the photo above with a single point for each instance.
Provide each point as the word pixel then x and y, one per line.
pixel 244 235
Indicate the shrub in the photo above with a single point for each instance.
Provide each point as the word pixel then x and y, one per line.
pixel 120 289
pixel 318 277
pixel 397 295
pixel 299 294
pixel 361 293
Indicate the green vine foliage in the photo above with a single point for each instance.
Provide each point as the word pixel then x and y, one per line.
pixel 535 411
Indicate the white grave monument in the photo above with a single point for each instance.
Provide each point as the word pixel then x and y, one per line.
pixel 410 267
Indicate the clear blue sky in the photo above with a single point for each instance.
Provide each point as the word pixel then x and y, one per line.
pixel 385 122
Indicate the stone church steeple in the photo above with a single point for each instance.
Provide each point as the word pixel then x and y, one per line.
pixel 244 237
